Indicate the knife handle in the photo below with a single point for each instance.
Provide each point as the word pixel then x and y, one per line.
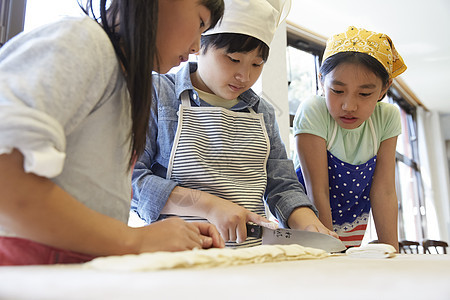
pixel 254 231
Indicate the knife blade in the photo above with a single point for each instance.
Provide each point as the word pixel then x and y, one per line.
pixel 285 236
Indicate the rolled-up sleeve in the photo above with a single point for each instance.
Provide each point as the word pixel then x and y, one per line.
pixel 151 189
pixel 150 192
pixel 44 94
pixel 38 136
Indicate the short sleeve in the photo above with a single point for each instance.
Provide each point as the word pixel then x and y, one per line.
pixel 312 117
pixel 51 80
pixel 388 116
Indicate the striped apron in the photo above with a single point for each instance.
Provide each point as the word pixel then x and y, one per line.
pixel 349 193
pixel 221 152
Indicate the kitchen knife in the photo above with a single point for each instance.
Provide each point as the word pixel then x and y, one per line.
pixel 284 236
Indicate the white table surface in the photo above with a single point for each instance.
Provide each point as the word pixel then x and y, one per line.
pixel 337 277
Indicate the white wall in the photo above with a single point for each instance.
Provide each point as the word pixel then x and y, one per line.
pixel 272 84
pixel 445 125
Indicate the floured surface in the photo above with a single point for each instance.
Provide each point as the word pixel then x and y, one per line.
pixel 405 276
pixel 205 258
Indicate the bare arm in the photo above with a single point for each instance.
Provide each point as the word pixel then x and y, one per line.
pixel 229 218
pixel 37 209
pixel 312 153
pixel 383 197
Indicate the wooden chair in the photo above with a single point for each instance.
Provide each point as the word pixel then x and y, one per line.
pixel 408 247
pixel 434 247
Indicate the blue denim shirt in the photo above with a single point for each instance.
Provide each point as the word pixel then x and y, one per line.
pixel 151 189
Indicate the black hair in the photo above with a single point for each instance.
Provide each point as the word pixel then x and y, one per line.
pixel 234 42
pixel 131 25
pixel 357 58
pixel 216 7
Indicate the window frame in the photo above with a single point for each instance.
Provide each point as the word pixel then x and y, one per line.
pixel 310 47
pixel 12 18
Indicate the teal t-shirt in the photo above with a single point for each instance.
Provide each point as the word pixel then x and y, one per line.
pixel 354 146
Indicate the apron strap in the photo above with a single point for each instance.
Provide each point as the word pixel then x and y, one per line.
pixel 251 110
pixel 374 137
pixel 333 136
pixel 185 99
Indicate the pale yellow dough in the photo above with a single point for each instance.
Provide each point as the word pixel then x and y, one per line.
pixel 205 258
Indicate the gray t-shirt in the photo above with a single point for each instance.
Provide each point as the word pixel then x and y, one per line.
pixel 65 105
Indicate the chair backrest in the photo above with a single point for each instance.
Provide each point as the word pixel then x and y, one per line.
pixel 434 247
pixel 408 247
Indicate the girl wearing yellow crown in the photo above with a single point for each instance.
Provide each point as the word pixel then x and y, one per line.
pixel 346 139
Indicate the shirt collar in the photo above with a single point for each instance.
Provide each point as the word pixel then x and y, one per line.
pixel 183 82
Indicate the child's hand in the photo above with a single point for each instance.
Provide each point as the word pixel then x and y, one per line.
pixel 303 218
pixel 231 219
pixel 322 229
pixel 211 237
pixel 174 234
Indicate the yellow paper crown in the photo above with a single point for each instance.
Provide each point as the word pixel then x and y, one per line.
pixel 377 45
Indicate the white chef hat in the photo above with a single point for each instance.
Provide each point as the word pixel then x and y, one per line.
pixel 256 18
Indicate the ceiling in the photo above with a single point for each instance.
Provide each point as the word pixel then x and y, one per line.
pixel 420 31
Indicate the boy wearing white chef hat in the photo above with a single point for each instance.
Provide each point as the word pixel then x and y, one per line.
pixel 214 151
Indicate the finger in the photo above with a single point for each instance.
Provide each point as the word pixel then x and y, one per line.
pixel 224 234
pixel 232 233
pixel 321 229
pixel 207 242
pixel 194 235
pixel 260 220
pixel 241 231
pixel 327 231
pixel 209 230
pixel 312 227
pixel 270 225
pixel 195 241
pixel 333 234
